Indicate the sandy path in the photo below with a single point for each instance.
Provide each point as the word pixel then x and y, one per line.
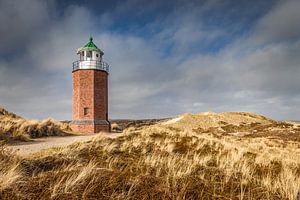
pixel 26 148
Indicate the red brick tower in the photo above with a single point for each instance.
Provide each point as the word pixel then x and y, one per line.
pixel 90 91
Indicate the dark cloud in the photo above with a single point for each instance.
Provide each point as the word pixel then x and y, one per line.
pixel 21 22
pixel 35 78
pixel 281 24
pixel 199 56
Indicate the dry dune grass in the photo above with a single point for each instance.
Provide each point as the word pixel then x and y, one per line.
pixel 115 127
pixel 13 127
pixel 159 162
pixel 208 120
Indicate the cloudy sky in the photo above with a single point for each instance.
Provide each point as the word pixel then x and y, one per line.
pixel 166 57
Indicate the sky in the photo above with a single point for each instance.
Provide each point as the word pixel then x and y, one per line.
pixel 166 57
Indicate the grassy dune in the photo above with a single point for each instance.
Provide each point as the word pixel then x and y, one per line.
pixel 165 161
pixel 16 128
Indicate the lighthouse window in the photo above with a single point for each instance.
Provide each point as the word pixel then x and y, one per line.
pixel 85 111
pixel 82 55
pixel 89 54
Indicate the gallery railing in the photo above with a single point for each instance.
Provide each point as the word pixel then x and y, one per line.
pixel 90 64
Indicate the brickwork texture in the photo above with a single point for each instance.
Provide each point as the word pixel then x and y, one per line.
pixel 90 100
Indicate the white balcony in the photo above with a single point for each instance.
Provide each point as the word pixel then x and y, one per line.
pixel 90 64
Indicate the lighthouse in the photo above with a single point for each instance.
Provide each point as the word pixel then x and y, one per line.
pixel 90 91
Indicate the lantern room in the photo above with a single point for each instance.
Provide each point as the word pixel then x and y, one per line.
pixel 90 57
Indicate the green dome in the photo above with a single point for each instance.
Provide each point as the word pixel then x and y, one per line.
pixel 90 46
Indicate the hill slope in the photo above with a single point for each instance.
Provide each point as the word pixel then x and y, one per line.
pixel 14 127
pixel 163 162
pixel 236 124
pixel 208 120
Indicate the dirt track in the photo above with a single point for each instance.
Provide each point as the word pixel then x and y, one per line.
pixel 26 148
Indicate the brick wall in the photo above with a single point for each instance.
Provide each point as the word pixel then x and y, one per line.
pixel 90 91
pixel 90 128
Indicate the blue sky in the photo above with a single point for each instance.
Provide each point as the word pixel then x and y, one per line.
pixel 166 57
